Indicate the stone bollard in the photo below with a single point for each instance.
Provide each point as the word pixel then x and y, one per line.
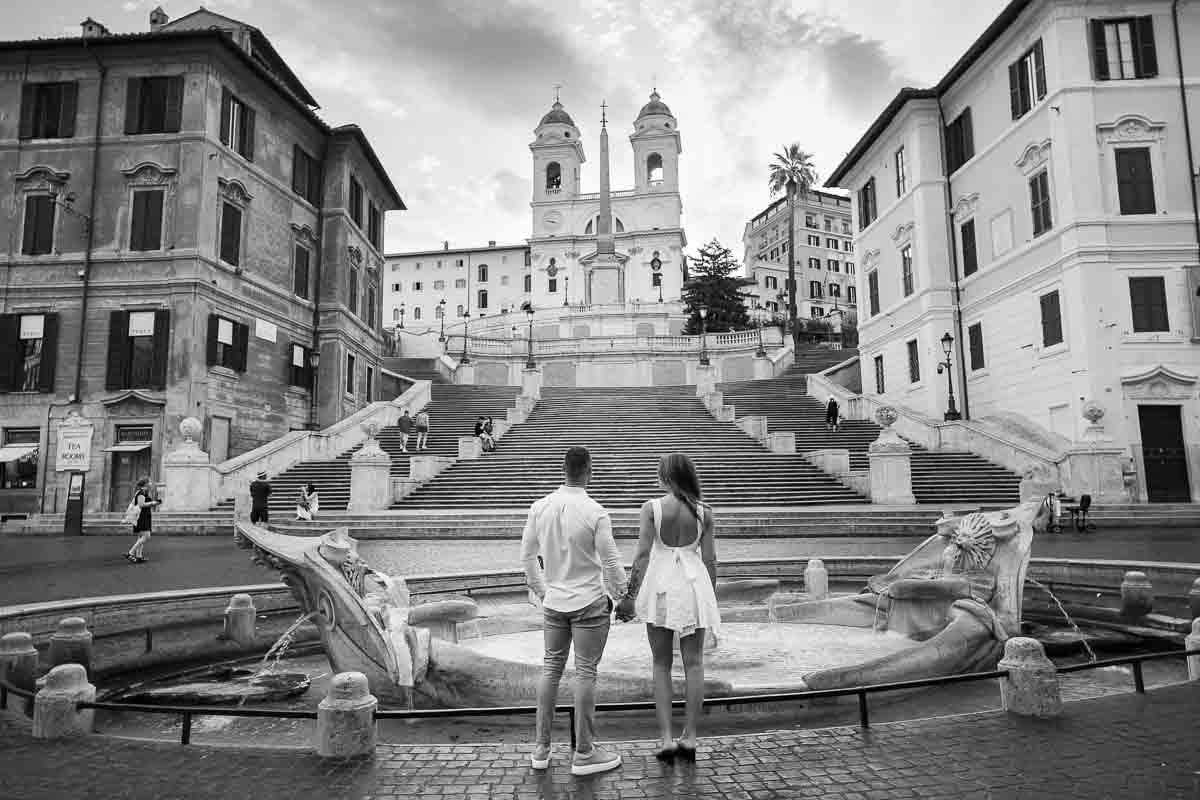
pixel 1031 688
pixel 1194 598
pixel 346 718
pixel 71 643
pixel 1137 595
pixel 1192 642
pixel 239 620
pixel 54 712
pixel 18 661
pixel 816 580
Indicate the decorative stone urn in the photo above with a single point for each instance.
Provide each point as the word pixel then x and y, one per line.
pixel 890 463
pixel 370 468
pixel 1093 412
pixel 189 476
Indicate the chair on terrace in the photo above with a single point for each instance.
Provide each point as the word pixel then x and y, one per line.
pixel 1079 514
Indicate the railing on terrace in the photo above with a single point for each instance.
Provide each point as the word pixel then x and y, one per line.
pixel 186 713
pixel 716 343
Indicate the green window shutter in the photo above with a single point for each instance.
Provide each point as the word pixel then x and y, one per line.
pixel 66 111
pixel 133 104
pixel 173 118
pixel 116 374
pixel 162 347
pixel 49 352
pixel 1099 50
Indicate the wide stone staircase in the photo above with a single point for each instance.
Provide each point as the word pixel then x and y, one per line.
pixel 818 359
pixel 452 413
pixel 938 476
pixel 418 369
pixel 627 430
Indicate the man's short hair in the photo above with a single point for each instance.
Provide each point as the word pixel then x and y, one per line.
pixel 577 462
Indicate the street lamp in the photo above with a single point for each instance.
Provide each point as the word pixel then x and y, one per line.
pixel 314 361
pixel 442 314
pixel 466 319
pixel 401 325
pixel 529 358
pixel 566 289
pixel 758 318
pixel 656 270
pixel 703 336
pixel 947 344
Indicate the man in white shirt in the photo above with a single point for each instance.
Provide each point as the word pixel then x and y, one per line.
pixel 573 534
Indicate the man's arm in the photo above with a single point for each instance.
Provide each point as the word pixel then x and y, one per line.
pixel 610 556
pixel 529 555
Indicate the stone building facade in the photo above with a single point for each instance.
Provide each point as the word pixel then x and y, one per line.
pixel 182 236
pixel 1039 206
pixel 825 267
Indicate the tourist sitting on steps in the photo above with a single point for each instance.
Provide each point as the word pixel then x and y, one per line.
pixel 308 504
pixel 481 433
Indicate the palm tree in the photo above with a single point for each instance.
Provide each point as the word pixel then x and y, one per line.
pixel 792 171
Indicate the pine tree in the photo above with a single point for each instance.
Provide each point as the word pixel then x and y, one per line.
pixel 713 285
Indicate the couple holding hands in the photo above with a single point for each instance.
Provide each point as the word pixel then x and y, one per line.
pixel 672 588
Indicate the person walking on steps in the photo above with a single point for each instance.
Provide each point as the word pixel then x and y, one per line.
pixel 144 501
pixel 570 534
pixel 405 423
pixel 831 415
pixel 422 429
pixel 260 492
pixel 673 589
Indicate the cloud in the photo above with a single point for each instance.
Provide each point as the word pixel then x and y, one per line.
pixel 512 192
pixel 427 163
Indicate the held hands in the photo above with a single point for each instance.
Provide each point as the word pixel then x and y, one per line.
pixel 625 610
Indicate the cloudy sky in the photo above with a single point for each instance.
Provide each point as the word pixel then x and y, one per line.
pixel 449 91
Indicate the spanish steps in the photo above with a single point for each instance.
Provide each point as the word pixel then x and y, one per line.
pixel 938 476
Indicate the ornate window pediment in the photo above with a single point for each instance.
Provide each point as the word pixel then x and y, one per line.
pixel 1159 381
pixel 234 191
pixel 148 173
pixel 870 259
pixel 356 255
pixel 304 233
pixel 966 206
pixel 903 234
pixel 40 178
pixel 1033 157
pixel 1130 128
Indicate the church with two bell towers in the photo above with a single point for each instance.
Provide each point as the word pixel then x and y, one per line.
pixel 608 247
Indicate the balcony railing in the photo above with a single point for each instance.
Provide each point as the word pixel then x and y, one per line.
pixel 596 345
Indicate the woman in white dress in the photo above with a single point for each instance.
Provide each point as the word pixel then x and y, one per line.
pixel 673 589
pixel 308 504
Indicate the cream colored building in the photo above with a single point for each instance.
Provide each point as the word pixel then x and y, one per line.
pixel 825 262
pixel 1039 206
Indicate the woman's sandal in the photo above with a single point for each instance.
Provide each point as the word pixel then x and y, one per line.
pixel 684 753
pixel 667 754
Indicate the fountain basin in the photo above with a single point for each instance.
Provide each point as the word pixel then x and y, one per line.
pixel 221 686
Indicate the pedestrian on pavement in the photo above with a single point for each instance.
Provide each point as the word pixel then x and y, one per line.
pixel 673 589
pixel 260 490
pixel 422 429
pixel 144 501
pixel 308 503
pixel 572 535
pixel 405 424
pixel 831 415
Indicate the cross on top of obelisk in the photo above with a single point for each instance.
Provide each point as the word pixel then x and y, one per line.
pixel 603 113
pixel 557 86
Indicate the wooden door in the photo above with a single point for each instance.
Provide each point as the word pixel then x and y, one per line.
pixel 218 440
pixel 127 468
pixel 1164 454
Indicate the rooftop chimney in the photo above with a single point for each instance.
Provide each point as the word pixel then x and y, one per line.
pixel 91 28
pixel 491 242
pixel 446 245
pixel 158 19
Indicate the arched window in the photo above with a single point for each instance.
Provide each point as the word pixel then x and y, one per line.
pixel 654 168
pixel 482 273
pixel 528 283
pixel 594 222
pixel 395 315
pixel 460 309
pixel 439 311
pixel 482 299
pixel 553 176
pixel 417 312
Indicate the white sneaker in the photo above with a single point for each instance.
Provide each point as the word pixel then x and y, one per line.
pixel 599 760
pixel 539 763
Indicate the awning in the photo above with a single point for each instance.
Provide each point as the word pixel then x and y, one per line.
pixel 14 451
pixel 128 447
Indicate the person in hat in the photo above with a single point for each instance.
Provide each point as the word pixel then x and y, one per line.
pixel 260 490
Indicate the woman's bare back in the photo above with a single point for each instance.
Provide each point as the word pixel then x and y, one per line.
pixel 678 526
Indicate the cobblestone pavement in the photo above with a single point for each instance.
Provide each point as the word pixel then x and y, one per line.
pixel 1125 747
pixel 34 569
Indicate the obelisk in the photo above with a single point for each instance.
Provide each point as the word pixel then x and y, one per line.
pixel 605 269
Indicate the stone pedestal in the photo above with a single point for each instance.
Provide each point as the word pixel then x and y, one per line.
pixel 240 615
pixel 1192 642
pixel 763 369
pixel 724 413
pixel 425 468
pixel 71 643
pixel 1095 465
pixel 1031 688
pixel 370 475
pixel 531 383
pixel 816 580
pixel 469 447
pixel 499 428
pixel 190 480
pixel 54 713
pixel 831 460
pixel 1137 595
pixel 403 487
pixel 754 426
pixel 706 380
pixel 18 661
pixel 891 464
pixel 784 442
pixel 514 416
pixel 713 400
pixel 346 718
pixel 465 374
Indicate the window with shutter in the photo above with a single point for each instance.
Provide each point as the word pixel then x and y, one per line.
pixel 370 315
pixel 352 299
pixel 1148 300
pixel 1039 203
pixel 975 343
pixel 528 283
pixel 906 270
pixel 145 229
pixel 39 225
pixel 10 352
pixel 374 234
pixel 299 369
pixel 350 376
pixel 48 110
pixel 300 278
pixel 873 291
pixel 914 362
pixel 866 207
pixel 1027 80
pixel 960 141
pixel 1051 319
pixel 237 125
pixel 370 387
pixel 901 173
pixel 1135 181
pixel 970 255
pixel 154 104
pixel 1124 49
pixel 231 234
pixel 117 370
pixel 879 385
pixel 356 202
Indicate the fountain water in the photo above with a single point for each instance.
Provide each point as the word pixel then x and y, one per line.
pixel 277 650
pixel 1082 639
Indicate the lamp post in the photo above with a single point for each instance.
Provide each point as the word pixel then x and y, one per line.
pixel 314 361
pixel 947 344
pixel 466 319
pixel 529 358
pixel 442 314
pixel 656 270
pixel 758 318
pixel 401 325
pixel 703 336
pixel 566 289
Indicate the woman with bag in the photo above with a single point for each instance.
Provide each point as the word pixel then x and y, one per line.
pixel 139 515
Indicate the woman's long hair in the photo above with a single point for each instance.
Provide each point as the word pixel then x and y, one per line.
pixel 678 476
